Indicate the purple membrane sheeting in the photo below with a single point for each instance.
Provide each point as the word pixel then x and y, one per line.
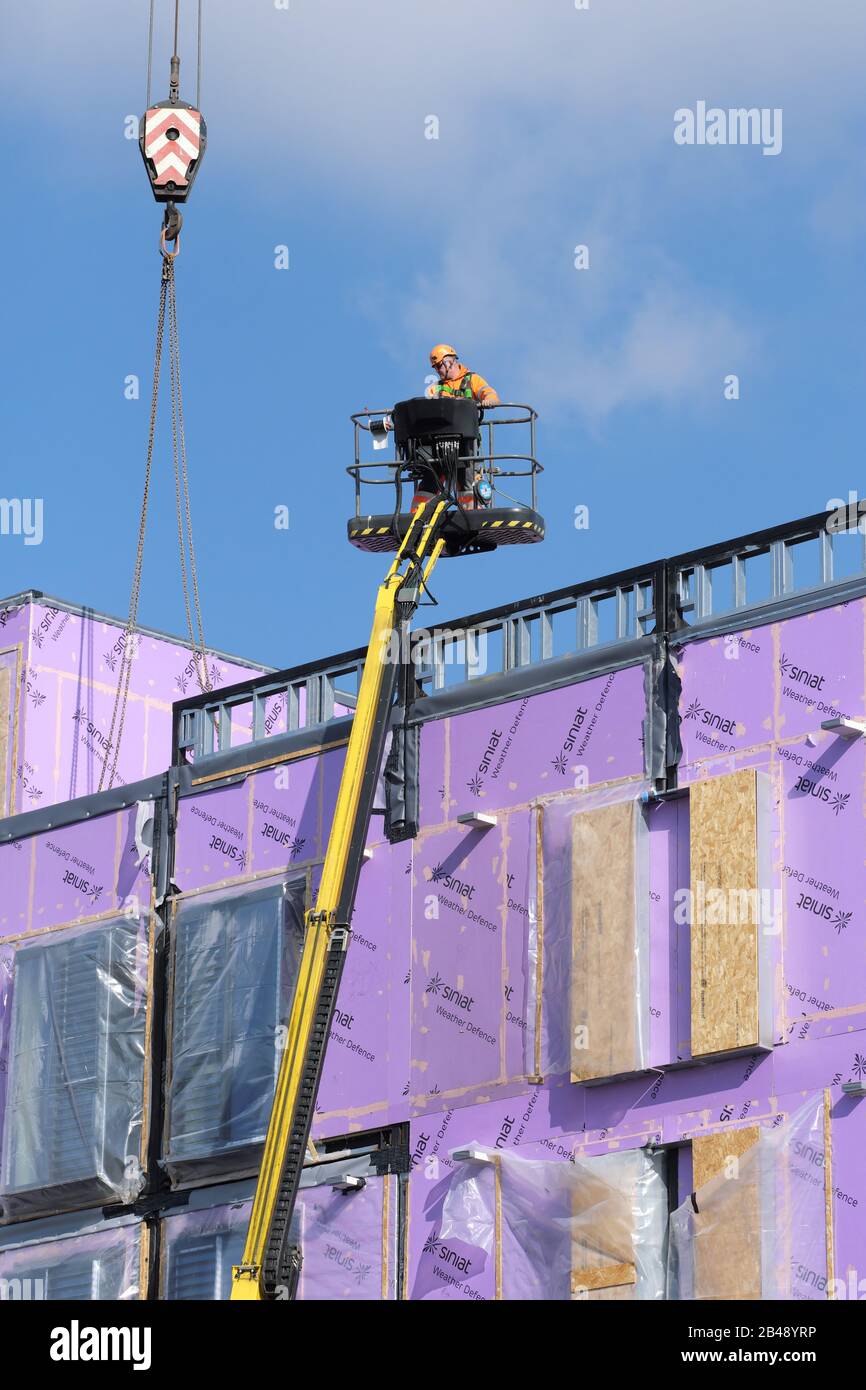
pixel 776 684
pixel 436 1022
pixel 67 673
pixel 348 1242
pixel 274 820
pixel 77 872
pixel 504 756
pixel 368 1057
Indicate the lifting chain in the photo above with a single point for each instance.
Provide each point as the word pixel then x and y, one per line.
pixel 195 631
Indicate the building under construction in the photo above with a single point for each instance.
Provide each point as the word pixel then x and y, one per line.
pixel 598 1031
pixel 520 958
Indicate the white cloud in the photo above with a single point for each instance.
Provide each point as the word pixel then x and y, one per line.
pixel 556 127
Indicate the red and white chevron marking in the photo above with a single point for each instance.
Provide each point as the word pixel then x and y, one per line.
pixel 172 158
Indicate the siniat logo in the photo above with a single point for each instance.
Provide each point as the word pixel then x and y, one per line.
pixel 421 1146
pixel 228 850
pixel 560 762
pixel 83 885
pixel 8 614
pixel 837 801
pixel 294 843
pixel 272 718
pixel 435 1246
pixel 347 1261
pixel 192 668
pixel 811 1155
pixel 273 832
pixel 37 697
pixel 709 717
pixel 452 883
pixel 477 780
pixel 810 679
pixel 492 745
pixel 825 912
pixel 119 649
pixel 437 986
pixel 81 717
pixel 504 1130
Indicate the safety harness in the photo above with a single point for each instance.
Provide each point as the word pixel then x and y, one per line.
pixel 461 388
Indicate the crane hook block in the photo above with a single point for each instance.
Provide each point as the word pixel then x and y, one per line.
pixel 172 138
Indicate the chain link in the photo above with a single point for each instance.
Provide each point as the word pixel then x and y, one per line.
pixel 112 747
pixel 181 488
pixel 167 298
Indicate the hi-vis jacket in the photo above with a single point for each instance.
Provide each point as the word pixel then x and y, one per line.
pixel 468 384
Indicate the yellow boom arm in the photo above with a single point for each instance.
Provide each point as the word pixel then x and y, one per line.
pixel 270 1262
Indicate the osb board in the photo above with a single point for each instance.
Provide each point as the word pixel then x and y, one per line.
pixel 728 1252
pixel 604 1282
pixel 602 1245
pixel 604 983
pixel 711 1152
pixel 724 955
pixel 6 769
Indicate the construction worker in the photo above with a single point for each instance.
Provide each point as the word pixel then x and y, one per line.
pixel 457 380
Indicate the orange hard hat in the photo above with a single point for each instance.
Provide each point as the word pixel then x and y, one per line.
pixel 441 350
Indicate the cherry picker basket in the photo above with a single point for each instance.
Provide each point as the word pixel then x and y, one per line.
pixel 448 445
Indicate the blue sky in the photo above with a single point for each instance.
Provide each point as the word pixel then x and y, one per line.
pixel 555 129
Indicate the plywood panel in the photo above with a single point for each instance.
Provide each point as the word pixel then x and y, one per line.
pixel 724 934
pixel 604 983
pixel 728 1249
pixel 604 1282
pixel 711 1152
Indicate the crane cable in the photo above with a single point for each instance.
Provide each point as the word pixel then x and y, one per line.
pixel 181 487
pixel 126 654
pixel 189 576
pixel 150 51
pixel 188 569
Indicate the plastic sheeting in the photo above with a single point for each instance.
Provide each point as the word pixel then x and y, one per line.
pixel 594 933
pixel 348 1241
pixel 757 1231
pixel 72 1122
pixel 7 961
pixel 235 963
pixel 198 1250
pixel 101 1265
pixel 591 1228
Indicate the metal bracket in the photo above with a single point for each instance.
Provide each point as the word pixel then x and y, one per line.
pixel 844 727
pixel 472 1156
pixel 348 1183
